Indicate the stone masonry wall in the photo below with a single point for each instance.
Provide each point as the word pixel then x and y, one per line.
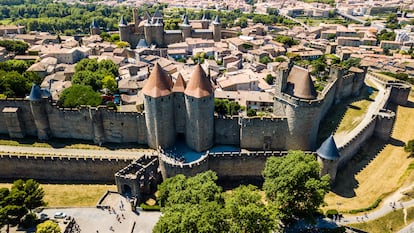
pixel 60 168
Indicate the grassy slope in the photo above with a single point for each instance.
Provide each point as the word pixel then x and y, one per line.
pixel 367 176
pixel 72 194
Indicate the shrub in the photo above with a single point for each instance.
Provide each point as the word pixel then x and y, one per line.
pixel 146 207
pixel 330 213
pixel 251 112
pixel 409 147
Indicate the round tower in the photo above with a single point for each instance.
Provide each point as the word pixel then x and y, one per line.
pixel 158 32
pixel 328 157
pixel 159 109
pixel 302 110
pixel 199 101
pixel 204 22
pixel 216 29
pixel 179 104
pixel 123 29
pixel 148 31
pixel 38 108
pixel 185 28
pixel 95 28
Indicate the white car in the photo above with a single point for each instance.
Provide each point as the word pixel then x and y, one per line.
pixel 60 215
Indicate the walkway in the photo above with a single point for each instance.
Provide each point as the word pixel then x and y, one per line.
pixel 389 204
pixel 105 153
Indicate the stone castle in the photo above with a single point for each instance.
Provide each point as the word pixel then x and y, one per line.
pixel 150 30
pixel 186 110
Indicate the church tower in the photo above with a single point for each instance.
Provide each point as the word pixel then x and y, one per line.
pixel 159 109
pixel 199 101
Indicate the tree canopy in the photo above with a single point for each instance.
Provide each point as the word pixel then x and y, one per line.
pixel 15 81
pixel 77 95
pixel 286 40
pixel 48 227
pixel 19 47
pixel 197 204
pixel 92 73
pixel 15 203
pixel 226 107
pixel 292 184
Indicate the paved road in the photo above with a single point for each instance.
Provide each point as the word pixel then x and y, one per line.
pixel 74 152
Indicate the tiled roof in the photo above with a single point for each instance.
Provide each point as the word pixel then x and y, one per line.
pixel 159 83
pixel 199 85
pixel 328 149
pixel 299 84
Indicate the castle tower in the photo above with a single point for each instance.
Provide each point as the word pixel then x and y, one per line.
pixel 302 112
pixel 328 157
pixel 95 28
pixel 158 32
pixel 179 104
pixel 216 29
pixel 199 101
pixel 204 22
pixel 136 19
pixel 38 108
pixel 124 32
pixel 186 28
pixel 148 31
pixel 159 112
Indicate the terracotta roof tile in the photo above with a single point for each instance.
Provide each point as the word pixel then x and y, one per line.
pixel 158 84
pixel 199 85
pixel 299 84
pixel 179 85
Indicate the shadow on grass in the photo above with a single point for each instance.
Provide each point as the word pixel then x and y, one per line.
pixel 334 116
pixel 409 104
pixel 64 142
pixel 345 182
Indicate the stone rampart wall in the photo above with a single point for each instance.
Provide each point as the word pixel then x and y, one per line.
pixel 227 130
pixel 26 116
pixel 263 133
pixel 61 168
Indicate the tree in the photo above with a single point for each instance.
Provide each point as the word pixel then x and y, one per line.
pixel 16 202
pixel 265 60
pixel 33 193
pixel 48 227
pixel 91 72
pixel 77 95
pixel 191 204
pixel 386 35
pixel 246 211
pixel 286 40
pixel 292 184
pixel 269 79
pixel 109 83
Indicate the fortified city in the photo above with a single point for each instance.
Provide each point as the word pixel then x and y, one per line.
pixel 213 95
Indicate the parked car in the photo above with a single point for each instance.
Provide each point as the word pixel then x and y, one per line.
pixel 60 215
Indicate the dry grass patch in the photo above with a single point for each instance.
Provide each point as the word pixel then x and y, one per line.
pixel 355 113
pixel 73 195
pixel 391 222
pixel 369 175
